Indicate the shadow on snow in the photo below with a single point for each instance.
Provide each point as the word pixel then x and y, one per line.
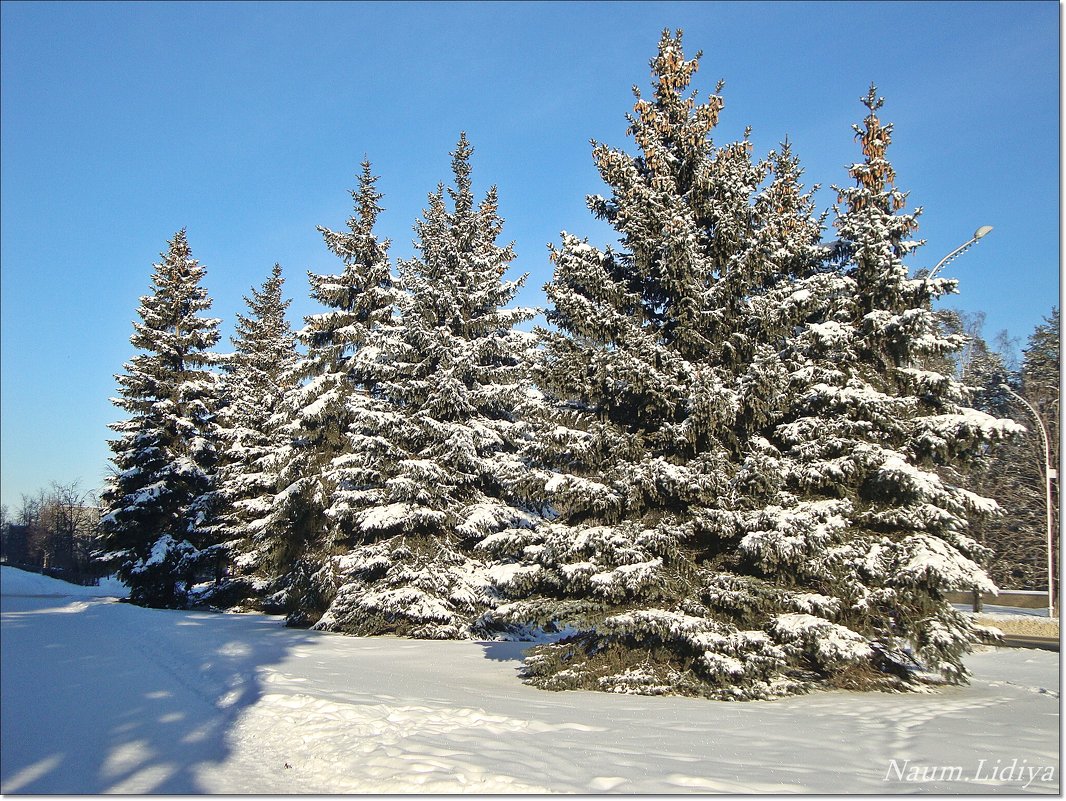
pixel 159 695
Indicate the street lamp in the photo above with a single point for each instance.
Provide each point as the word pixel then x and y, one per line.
pixel 1049 474
pixel 980 232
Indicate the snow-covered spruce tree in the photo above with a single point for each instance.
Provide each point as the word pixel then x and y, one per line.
pixel 259 375
pixel 864 523
pixel 638 463
pixel 158 501
pixel 335 415
pixel 452 464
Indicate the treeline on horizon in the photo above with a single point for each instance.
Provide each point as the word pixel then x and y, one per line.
pixel 743 459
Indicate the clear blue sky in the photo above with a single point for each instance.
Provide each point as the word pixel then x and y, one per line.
pixel 246 123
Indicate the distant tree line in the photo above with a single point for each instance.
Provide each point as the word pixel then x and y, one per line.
pixel 53 531
pixel 737 461
pixel 1012 471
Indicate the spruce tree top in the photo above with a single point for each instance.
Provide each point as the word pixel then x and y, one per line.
pixel 173 336
pixel 264 340
pixel 363 295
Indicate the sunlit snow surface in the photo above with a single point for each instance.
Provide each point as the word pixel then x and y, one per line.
pixel 99 696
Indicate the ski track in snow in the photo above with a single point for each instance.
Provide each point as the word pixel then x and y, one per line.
pixel 105 697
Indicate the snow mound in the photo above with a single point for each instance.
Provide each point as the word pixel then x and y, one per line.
pixel 20 582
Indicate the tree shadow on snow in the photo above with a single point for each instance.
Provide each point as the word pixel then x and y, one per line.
pixel 505 650
pixel 101 697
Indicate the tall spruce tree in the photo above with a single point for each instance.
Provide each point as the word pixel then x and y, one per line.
pixel 336 413
pixel 158 502
pixel 260 373
pixel 451 464
pixel 869 527
pixel 638 461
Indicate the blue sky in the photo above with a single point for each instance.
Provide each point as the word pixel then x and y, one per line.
pixel 246 122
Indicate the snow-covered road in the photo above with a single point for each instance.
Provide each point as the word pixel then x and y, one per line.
pixel 99 697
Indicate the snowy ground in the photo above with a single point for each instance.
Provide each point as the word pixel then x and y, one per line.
pixel 102 697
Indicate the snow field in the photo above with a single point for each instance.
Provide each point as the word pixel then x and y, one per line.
pixel 102 697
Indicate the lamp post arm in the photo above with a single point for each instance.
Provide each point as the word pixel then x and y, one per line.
pixel 951 256
pixel 980 232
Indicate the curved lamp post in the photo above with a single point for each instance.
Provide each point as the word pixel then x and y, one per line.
pixel 980 232
pixel 1049 474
